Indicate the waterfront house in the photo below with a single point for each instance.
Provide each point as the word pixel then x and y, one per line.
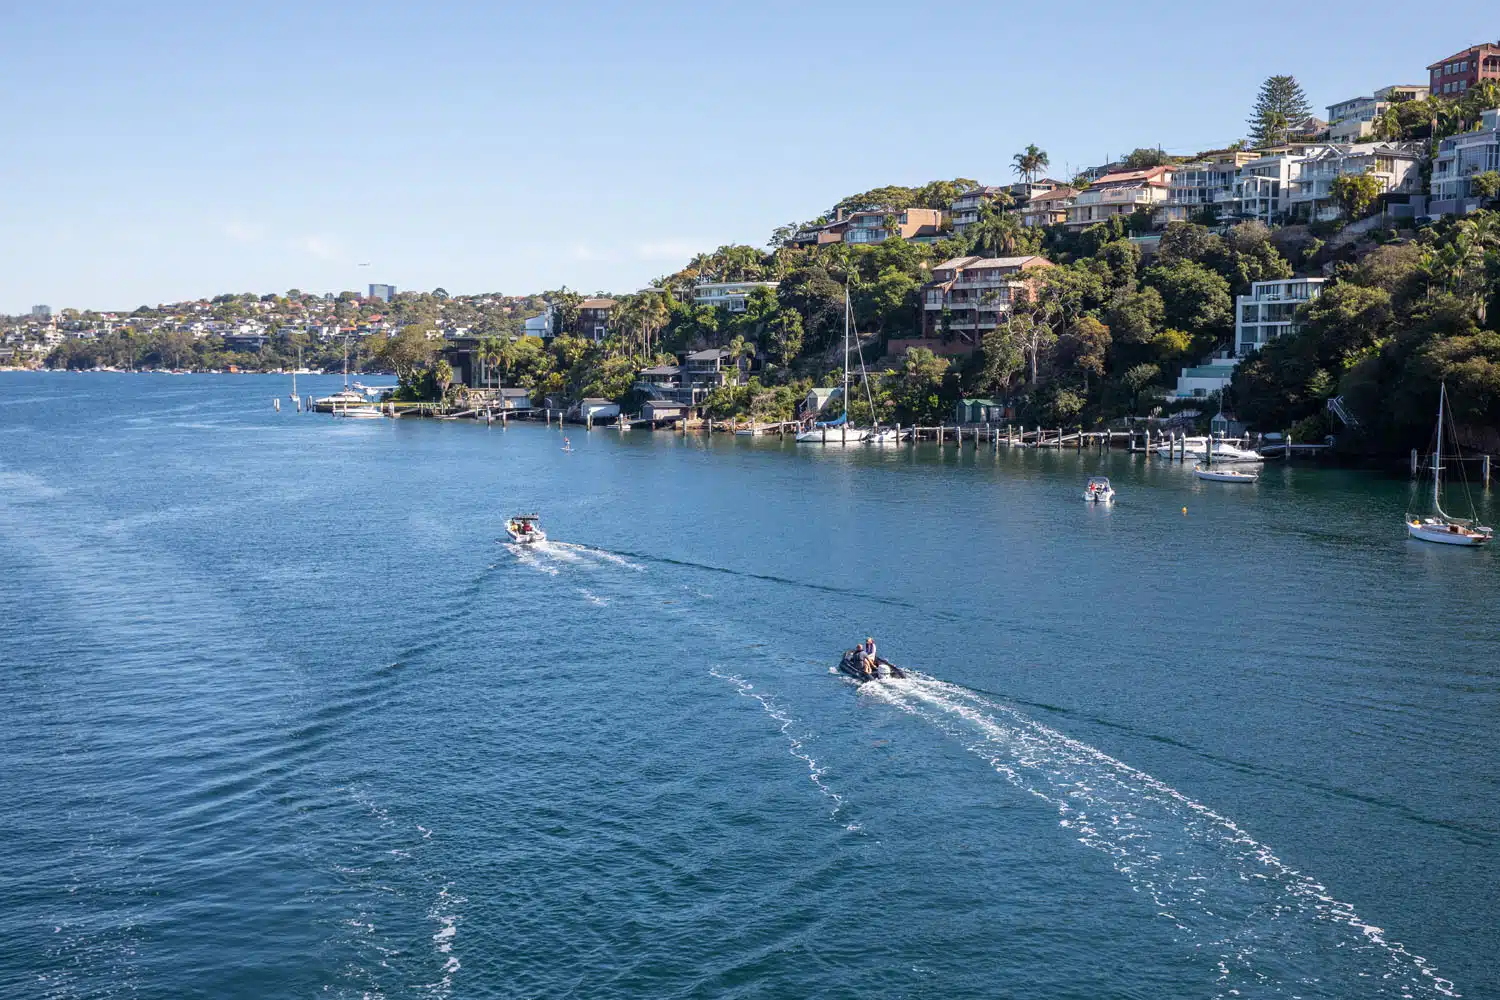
pixel 1262 188
pixel 967 298
pixel 1201 381
pixel 1396 166
pixel 1270 311
pixel 1454 75
pixel 730 295
pixel 1459 158
pixel 710 369
pixel 659 378
pixel 593 318
pixel 1120 193
pixel 921 225
pixel 1048 208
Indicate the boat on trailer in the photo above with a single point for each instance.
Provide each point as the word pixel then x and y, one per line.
pixel 884 669
pixel 525 529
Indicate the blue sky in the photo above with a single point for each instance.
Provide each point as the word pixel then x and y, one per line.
pixel 162 151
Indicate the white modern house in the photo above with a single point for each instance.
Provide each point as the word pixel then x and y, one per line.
pixel 1262 188
pixel 541 325
pixel 1202 185
pixel 1269 311
pixel 730 295
pixel 1459 158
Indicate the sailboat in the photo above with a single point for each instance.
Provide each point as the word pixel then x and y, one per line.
pixel 293 393
pixel 837 431
pixel 1439 526
pixel 343 401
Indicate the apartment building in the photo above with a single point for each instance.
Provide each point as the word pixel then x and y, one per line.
pixel 976 293
pixel 1397 166
pixel 1270 310
pixel 1354 119
pixel 731 295
pixel 1459 158
pixel 1262 188
pixel 1120 193
pixel 966 207
pixel 1204 184
pixel 1048 208
pixel 1455 75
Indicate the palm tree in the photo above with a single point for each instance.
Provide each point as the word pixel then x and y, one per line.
pixel 1030 162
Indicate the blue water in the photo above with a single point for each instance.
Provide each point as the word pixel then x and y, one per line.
pixel 279 716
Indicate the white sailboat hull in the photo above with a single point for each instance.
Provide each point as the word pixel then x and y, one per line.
pixel 834 435
pixel 1225 475
pixel 1445 534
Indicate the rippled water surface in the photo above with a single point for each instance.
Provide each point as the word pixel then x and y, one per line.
pixel 280 716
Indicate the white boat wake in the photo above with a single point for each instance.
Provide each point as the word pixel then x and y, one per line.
pixel 795 746
pixel 1230 895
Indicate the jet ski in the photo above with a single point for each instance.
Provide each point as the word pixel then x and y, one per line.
pixel 884 669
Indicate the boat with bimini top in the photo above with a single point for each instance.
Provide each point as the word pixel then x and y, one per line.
pixel 525 529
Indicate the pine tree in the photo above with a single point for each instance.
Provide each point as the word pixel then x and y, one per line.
pixel 1280 106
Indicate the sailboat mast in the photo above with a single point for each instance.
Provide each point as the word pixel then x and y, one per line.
pixel 1437 456
pixel 846 351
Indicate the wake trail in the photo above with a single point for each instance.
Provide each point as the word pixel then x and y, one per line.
pixel 1227 892
pixel 796 745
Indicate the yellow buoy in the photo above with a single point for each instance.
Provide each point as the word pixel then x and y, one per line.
pixel 1184 510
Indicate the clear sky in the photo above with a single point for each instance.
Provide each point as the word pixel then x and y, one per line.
pixel 159 151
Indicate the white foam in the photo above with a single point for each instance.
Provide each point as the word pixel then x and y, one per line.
pixel 815 771
pixel 1164 843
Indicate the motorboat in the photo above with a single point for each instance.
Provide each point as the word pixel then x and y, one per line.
pixel 525 529
pixel 1209 473
pixel 1198 448
pixel 1098 490
pixel 1440 526
pixel 884 669
pixel 339 400
pixel 884 435
pixel 363 412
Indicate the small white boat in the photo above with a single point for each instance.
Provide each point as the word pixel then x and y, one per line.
pixel 1098 490
pixel 1224 475
pixel 842 434
pixel 359 412
pixel 884 435
pixel 1439 526
pixel 525 529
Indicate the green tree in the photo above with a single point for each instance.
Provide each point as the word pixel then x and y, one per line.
pixel 1356 193
pixel 1144 159
pixel 1138 377
pixel 1196 298
pixel 920 394
pixel 786 336
pixel 1279 107
pixel 1030 162
pixel 1485 185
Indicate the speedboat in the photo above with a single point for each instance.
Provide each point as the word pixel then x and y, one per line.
pixel 359 412
pixel 525 529
pixel 1098 490
pixel 329 404
pixel 1213 475
pixel 884 669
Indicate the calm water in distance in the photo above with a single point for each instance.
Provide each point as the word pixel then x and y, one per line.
pixel 280 717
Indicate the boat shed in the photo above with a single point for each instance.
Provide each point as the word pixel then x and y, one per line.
pixel 597 409
pixel 980 411
pixel 663 409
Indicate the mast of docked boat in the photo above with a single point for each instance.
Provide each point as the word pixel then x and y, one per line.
pixel 846 349
pixel 294 373
pixel 1437 455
